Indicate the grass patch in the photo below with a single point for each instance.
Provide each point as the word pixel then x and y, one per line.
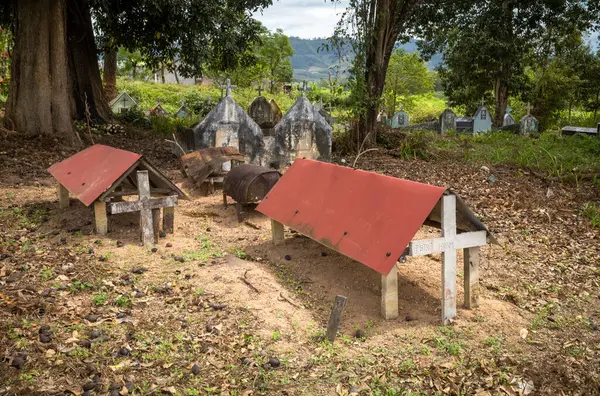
pixel 591 211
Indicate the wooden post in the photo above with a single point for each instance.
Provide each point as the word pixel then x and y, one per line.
pixel 224 199
pixel 156 223
pixel 448 258
pixel 239 209
pixel 168 219
pixel 277 232
pixel 63 196
pixel 336 317
pixel 389 294
pixel 143 183
pixel 101 218
pixel 471 269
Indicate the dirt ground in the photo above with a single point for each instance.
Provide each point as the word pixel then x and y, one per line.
pixel 217 309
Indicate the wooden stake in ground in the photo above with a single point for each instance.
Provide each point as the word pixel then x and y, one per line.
pixel 389 294
pixel 336 317
pixel 277 232
pixel 148 208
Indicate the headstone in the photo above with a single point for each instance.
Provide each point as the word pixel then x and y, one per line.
pixel 400 119
pixel 226 125
pixel 301 133
pixel 158 111
pixel 464 124
pixel 528 124
pixel 183 111
pixel 382 118
pixel 508 118
pixel 482 120
pixel 264 114
pixel 447 121
pixel 123 102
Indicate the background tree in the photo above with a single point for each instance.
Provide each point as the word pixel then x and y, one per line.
pixel 486 46
pixel 55 59
pixel 131 64
pixel 407 74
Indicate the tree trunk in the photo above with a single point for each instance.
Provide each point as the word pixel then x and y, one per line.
pixel 501 101
pixel 86 84
pixel 162 75
pixel 110 74
pixel 38 100
pixel 133 69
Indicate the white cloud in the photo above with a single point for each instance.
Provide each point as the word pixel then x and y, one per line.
pixel 303 18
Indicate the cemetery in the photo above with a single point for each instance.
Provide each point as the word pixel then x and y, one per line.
pixel 194 203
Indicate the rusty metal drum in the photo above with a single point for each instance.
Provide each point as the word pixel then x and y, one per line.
pixel 248 184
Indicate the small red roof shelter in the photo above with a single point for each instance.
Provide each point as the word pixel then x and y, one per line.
pixel 372 219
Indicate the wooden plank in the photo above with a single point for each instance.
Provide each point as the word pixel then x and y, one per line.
pixel 471 280
pixel 448 259
pixel 389 294
pixel 336 317
pixel 63 196
pixel 146 226
pixel 127 192
pixel 168 220
pixel 224 199
pixel 134 206
pixel 101 218
pixel 424 247
pixel 156 223
pixel 277 232
pixel 117 182
pixel 124 207
pixel 164 202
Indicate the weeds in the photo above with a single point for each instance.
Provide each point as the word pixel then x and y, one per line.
pixel 79 286
pixel 99 299
pixel 591 211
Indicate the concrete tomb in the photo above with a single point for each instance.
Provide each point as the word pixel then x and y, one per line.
pixel 183 112
pixel 382 118
pixel 447 121
pixel 265 113
pixel 508 118
pixel 123 102
pixel 158 111
pixel 226 125
pixel 528 124
pixel 301 133
pixel 400 119
pixel 482 120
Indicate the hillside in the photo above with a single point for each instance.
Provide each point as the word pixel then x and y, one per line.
pixel 311 62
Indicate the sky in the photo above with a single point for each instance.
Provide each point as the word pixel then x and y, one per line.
pixel 303 18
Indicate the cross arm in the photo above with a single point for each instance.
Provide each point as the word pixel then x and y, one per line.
pixel 135 206
pixel 438 245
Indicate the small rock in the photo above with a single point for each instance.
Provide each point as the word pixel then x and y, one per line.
pixel 98 242
pixel 63 240
pixel 324 254
pixel 162 234
pixel 45 338
pixel 130 386
pixel 180 259
pixel 287 257
pixel 360 333
pixel 209 328
pixel 120 244
pixel 139 294
pixel 92 318
pixel 46 292
pixel 95 333
pixel 154 250
pixel 409 318
pixel 274 362
pixel 139 270
pixel 169 245
pixel 195 369
pixel 44 329
pixel 91 251
pixel 89 386
pixel 84 343
pixel 208 229
pixel 87 393
pixel 484 168
pixel 549 193
pixel 55 232
pixel 187 276
pixel 353 391
pixel 18 362
pixel 114 386
pixel 245 361
pixel 101 258
pixel 121 315
pixel 124 352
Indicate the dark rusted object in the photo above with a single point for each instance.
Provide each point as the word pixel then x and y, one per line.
pixel 200 164
pixel 248 184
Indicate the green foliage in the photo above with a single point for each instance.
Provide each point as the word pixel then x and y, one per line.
pixel 99 299
pixel 80 286
pixel 123 302
pixel 131 64
pixel 46 273
pixel 591 211
pixel 6 43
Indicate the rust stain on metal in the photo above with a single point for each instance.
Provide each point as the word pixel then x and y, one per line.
pixel 200 164
pixel 92 171
pixel 248 183
pixel 380 214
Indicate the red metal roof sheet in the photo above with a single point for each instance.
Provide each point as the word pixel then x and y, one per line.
pixel 366 216
pixel 92 171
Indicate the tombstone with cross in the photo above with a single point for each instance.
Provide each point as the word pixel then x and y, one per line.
pixel 183 111
pixel 508 119
pixel 158 110
pixel 482 120
pixel 228 87
pixel 264 114
pixel 400 119
pixel 304 88
pixel 528 123
pixel 122 103
pixel 447 120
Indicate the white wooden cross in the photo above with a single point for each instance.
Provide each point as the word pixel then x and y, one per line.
pixel 447 245
pixel 528 109
pixel 149 209
pixel 228 87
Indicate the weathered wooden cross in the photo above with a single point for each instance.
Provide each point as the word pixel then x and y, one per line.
pixel 228 87
pixel 470 242
pixel 304 88
pixel 149 209
pixel 528 108
pixel 259 90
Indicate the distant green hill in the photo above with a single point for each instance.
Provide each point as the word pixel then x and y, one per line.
pixel 312 63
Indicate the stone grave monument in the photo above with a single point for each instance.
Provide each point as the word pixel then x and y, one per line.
pixel 264 113
pixel 508 118
pixel 227 125
pixel 447 120
pixel 482 121
pixel 158 110
pixel 123 102
pixel 400 119
pixel 301 133
pixel 183 112
pixel 528 124
pixel 382 118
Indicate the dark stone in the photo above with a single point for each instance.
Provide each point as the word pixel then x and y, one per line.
pixel 187 276
pixel 101 258
pixel 245 361
pixel 324 254
pixel 44 329
pixel 121 315
pixel 195 369
pixel 63 240
pixel 92 318
pixel 139 295
pixel 154 250
pixel 18 362
pixel 409 318
pixel 124 352
pixel 139 270
pixel 130 386
pixel 95 333
pixel 287 257
pixel 208 229
pixel 274 362
pixel 114 386
pixel 84 343
pixel 45 338
pixel 360 333
pixel 91 251
pixel 180 259
pixel 169 245
pixel 162 234
pixel 89 386
pixel 115 392
pixel 120 244
pixel 87 393
pixel 209 328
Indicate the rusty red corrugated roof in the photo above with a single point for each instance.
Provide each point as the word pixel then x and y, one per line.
pixel 366 216
pixel 92 171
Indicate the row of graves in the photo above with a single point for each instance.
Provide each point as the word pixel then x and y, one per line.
pixel 480 122
pixel 282 163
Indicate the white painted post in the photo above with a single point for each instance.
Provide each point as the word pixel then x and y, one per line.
pixel 63 197
pixel 389 294
pixel 101 218
pixel 448 258
pixel 471 269
pixel 145 212
pixel 277 232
